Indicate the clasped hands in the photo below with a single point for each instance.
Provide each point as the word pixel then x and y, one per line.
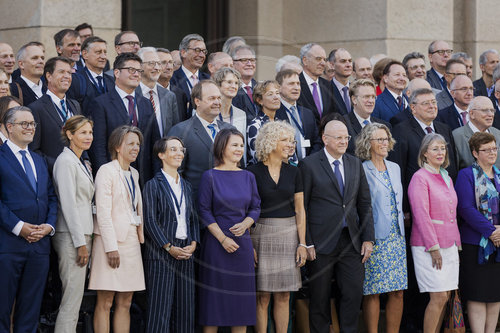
pixel 237 230
pixel 182 253
pixel 495 236
pixel 33 233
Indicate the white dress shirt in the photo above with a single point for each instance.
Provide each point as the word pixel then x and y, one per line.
pixel 206 123
pixel 123 96
pixel 405 105
pixel 181 231
pixel 361 119
pixel 424 126
pixel 57 102
pixel 145 92
pixel 459 110
pixel 189 75
pixel 331 159
pixel 37 88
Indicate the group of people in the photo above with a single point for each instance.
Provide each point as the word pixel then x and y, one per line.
pixel 220 195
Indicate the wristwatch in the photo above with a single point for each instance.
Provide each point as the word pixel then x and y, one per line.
pixel 169 246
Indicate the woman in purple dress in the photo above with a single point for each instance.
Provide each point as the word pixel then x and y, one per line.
pixel 229 204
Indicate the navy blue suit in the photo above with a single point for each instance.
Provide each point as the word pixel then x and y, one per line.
pixel 306 98
pixel 180 80
pixel 28 96
pixel 354 129
pixel 311 132
pixel 401 117
pixel 386 106
pixel 169 282
pixel 108 112
pixel 84 91
pixel 339 100
pixel 182 102
pixel 242 101
pixel 23 266
pixel 496 120
pixel 434 79
pixel 480 88
pixel 450 117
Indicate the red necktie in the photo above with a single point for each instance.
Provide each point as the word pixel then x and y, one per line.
pixel 249 92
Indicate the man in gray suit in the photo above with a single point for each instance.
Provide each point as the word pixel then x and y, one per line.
pixel 439 53
pixel 164 101
pixel 199 131
pixel 454 67
pixel 481 114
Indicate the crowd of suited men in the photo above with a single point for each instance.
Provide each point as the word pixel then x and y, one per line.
pixel 163 93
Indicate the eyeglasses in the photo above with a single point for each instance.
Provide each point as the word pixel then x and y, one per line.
pixel 492 111
pixel 381 140
pixel 414 68
pixel 339 138
pixel 165 62
pixel 26 124
pixel 132 70
pixel 152 63
pixel 428 103
pixel 436 150
pixel 245 60
pixel 489 150
pixel 443 52
pixel 198 50
pixel 131 43
pixel 176 150
pixel 464 89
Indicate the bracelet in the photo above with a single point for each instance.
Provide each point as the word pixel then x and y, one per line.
pixel 303 245
pixel 222 243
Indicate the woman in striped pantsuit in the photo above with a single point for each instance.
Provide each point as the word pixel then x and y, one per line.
pixel 171 231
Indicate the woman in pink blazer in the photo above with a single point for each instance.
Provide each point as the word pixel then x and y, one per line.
pixel 116 267
pixel 435 239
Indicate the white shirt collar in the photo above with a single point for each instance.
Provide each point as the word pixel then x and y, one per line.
pixel 54 98
pixel 360 119
pixel 15 148
pixel 309 80
pixel 145 90
pixel 32 84
pixel 94 75
pixel 287 105
pixel 206 123
pixel 123 94
pixel 474 128
pixel 339 85
pixel 396 95
pixel 188 73
pixel 424 126
pixel 171 179
pixel 331 159
pixel 459 109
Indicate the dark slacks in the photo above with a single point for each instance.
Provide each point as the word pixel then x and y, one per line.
pixel 170 287
pixel 344 263
pixel 22 277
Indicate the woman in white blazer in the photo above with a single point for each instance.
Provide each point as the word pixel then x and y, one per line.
pixel 72 241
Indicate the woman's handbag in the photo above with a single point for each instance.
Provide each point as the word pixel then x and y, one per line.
pixel 454 317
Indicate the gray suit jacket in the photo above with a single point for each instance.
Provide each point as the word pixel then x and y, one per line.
pixel 443 99
pixel 74 187
pixel 168 107
pixel 434 79
pixel 461 136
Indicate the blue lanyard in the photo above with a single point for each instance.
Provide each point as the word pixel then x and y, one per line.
pixel 91 78
pixel 61 113
pixel 295 120
pixel 176 202
pixel 131 190
pixel 230 116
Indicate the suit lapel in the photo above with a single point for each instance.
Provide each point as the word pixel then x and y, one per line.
pixel 162 181
pixel 202 133
pixel 328 169
pixel 117 102
pixel 355 123
pixel 166 117
pixel 376 173
pixel 305 90
pixel 51 110
pixel 16 166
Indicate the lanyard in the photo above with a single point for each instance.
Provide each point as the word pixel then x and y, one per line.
pixel 91 78
pixel 131 190
pixel 301 130
pixel 174 197
pixel 230 116
pixel 63 116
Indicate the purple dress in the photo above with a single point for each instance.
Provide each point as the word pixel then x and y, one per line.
pixel 227 280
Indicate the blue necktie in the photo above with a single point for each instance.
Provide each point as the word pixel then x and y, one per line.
pixel 64 111
pixel 28 170
pixel 212 129
pixel 99 83
pixel 338 175
pixel 366 122
pixel 444 83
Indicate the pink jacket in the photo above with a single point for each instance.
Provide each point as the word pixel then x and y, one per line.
pixel 114 206
pixel 434 211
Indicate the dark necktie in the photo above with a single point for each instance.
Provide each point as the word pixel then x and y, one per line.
pixel 28 169
pixel 249 92
pixel 338 175
pixel 64 110
pixel 464 117
pixel 444 83
pixel 400 103
pixel 151 99
pixel 212 129
pixel 347 102
pixel 131 110
pixel 99 84
pixel 429 129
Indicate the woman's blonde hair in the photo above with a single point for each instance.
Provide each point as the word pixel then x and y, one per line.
pixel 268 137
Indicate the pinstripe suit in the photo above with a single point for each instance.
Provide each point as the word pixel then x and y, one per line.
pixel 169 282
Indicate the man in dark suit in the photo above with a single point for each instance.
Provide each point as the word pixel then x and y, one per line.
pixel 488 60
pixel 244 62
pixel 415 84
pixel 301 118
pixel 462 92
pixel 392 101
pixel 340 232
pixel 28 212
pixel 91 81
pixel 68 44
pixel 316 93
pixel 29 87
pixel 193 53
pixel 198 132
pixel 167 63
pixel 453 67
pixel 363 94
pixel 121 106
pixel 52 110
pixel 439 53
pixel 341 61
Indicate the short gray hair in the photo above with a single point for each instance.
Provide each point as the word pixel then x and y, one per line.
pixel 304 51
pixel 460 55
pixel 286 59
pixel 363 141
pixel 145 49
pixel 411 56
pixel 239 48
pixel 419 92
pixel 162 49
pixel 187 39
pixel 331 56
pixel 230 41
pixel 483 57
pixel 10 114
pixel 22 51
pixel 424 146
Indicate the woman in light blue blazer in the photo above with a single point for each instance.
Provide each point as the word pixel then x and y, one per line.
pixel 385 270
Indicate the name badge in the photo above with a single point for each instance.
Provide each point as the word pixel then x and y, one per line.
pixel 305 143
pixel 94 210
pixel 136 220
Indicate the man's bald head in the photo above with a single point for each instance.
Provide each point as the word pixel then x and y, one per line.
pixel 416 84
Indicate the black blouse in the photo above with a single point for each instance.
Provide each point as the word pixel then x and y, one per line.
pixel 277 200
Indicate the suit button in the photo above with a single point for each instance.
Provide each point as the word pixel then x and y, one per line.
pixel 343 206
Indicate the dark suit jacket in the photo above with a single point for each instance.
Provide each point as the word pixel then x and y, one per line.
pixel 496 120
pixel 160 218
pixel 400 117
pixel 242 101
pixel 434 79
pixel 450 117
pixel 311 132
pixel 47 140
pixel 199 145
pixel 408 136
pixel 325 206
pixel 386 106
pixel 180 80
pixel 21 203
pixel 108 112
pixel 28 96
pixel 306 98
pixel 182 102
pixel 84 91
pixel 480 88
pixel 339 100
pixel 354 128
